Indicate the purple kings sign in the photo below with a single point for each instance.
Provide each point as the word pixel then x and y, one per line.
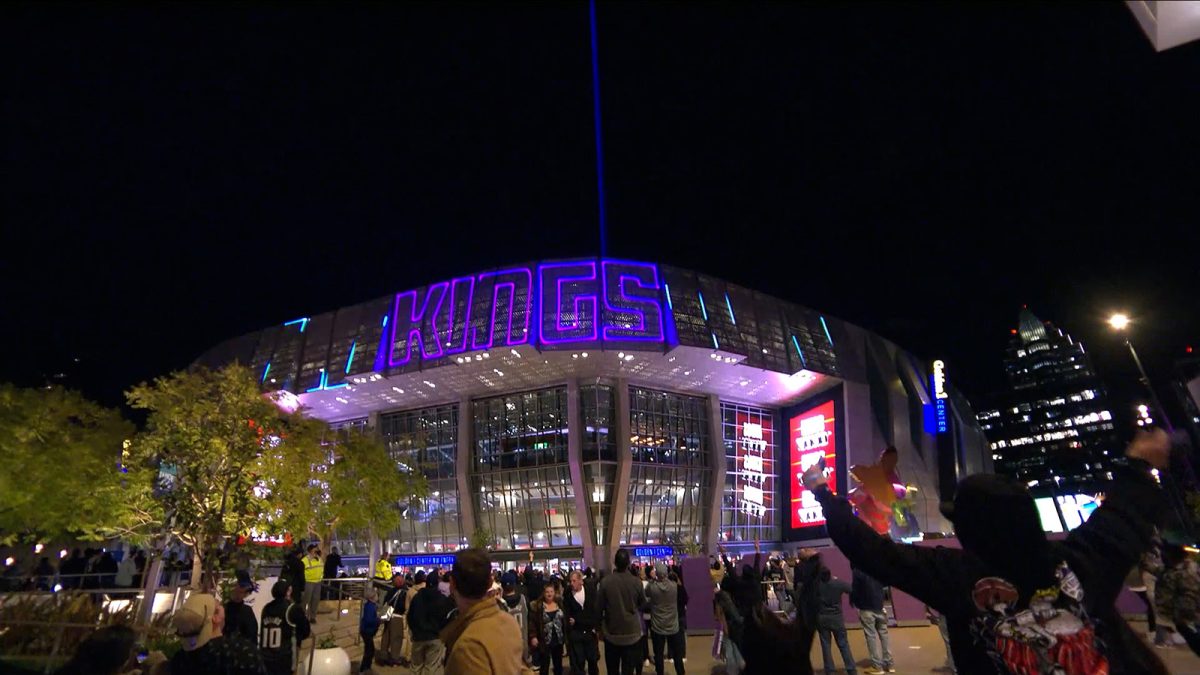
pixel 548 304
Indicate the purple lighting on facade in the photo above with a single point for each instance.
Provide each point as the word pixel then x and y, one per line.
pixel 577 330
pixel 493 309
pixel 409 321
pixel 632 288
pixel 514 280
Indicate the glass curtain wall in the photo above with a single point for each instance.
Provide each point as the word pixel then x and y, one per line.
pixel 520 474
pixel 599 451
pixel 671 472
pixel 426 441
pixel 748 502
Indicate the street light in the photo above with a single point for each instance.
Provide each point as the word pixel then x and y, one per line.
pixel 1120 322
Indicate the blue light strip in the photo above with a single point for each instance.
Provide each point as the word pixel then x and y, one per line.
pixel 350 359
pixel 796 344
pixel 599 140
pixel 385 318
pixel 716 345
pixel 265 371
pixel 667 288
pixel 826 331
pixel 324 385
pixel 302 321
pixel 729 306
pixel 320 386
pixel 703 309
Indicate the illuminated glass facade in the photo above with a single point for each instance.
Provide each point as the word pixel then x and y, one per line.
pixel 748 503
pixel 615 363
pixel 599 454
pixel 524 494
pixel 671 474
pixel 426 441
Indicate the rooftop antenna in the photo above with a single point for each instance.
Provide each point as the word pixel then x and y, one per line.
pixel 599 141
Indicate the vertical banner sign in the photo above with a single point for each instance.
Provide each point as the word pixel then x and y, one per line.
pixel 753 486
pixel 812 435
pixel 940 414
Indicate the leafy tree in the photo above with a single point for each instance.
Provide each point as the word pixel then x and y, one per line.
pixel 483 538
pixel 62 474
pixel 323 481
pixel 208 429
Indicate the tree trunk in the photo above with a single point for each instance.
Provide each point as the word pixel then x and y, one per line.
pixel 197 581
pixel 373 556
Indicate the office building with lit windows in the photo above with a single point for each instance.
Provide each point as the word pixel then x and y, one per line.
pixel 1053 428
pixel 573 407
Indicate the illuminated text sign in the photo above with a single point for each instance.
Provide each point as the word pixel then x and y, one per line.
pixel 415 560
pixel 653 551
pixel 812 436
pixel 547 304
pixel 940 414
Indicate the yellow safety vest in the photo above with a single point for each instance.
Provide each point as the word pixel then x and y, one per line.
pixel 314 569
pixel 383 569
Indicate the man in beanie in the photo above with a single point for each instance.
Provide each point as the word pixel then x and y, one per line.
pixel 664 618
pixel 199 623
pixel 284 627
pixel 1014 601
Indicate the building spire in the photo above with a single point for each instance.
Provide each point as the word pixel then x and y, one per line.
pixel 1030 327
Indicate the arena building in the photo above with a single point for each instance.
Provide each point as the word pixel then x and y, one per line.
pixel 571 407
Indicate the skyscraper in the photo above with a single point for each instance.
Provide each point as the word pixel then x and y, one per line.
pixel 1053 428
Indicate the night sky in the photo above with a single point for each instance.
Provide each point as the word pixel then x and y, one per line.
pixel 178 174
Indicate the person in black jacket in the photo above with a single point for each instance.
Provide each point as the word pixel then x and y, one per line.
pixel 293 571
pixel 428 613
pixel 1013 600
pixel 239 619
pixel 583 618
pixel 333 561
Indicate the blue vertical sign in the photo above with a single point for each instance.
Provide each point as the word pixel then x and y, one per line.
pixel 937 416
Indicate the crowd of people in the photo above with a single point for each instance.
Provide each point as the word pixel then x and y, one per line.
pixel 1009 601
pixel 88 568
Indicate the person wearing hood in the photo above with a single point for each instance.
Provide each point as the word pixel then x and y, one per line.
pixel 663 598
pixel 1013 600
pixel 512 600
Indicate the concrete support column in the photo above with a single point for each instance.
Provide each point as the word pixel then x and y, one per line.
pixel 716 459
pixel 575 431
pixel 620 491
pixel 463 464
pixel 857 421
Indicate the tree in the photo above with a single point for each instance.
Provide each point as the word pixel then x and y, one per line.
pixel 483 538
pixel 208 429
pixel 323 481
pixel 62 474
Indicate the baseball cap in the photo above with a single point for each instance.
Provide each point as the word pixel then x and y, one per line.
pixel 193 621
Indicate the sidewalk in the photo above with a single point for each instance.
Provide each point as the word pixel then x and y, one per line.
pixel 916 650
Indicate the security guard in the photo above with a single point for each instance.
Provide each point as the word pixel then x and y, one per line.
pixel 383 567
pixel 314 570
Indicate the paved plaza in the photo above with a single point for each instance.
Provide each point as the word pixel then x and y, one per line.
pixel 916 650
